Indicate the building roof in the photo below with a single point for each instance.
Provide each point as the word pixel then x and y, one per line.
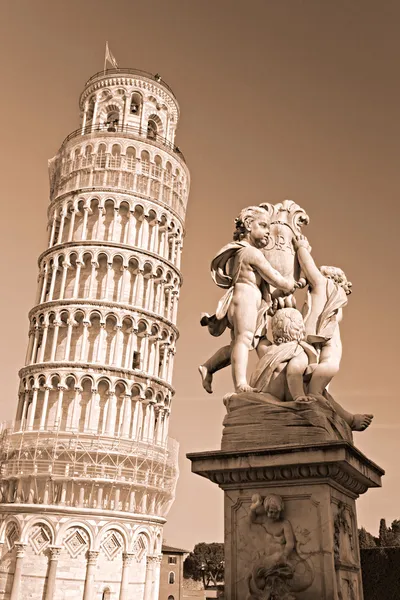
pixel 172 550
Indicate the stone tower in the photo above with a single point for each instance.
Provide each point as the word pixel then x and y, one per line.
pixel 88 473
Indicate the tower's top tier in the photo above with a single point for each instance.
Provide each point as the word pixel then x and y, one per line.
pixel 130 98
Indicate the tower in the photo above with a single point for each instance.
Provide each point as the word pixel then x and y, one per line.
pixel 88 472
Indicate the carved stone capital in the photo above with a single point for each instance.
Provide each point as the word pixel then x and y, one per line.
pixel 154 560
pixel 92 556
pixel 127 558
pixel 54 552
pixel 20 549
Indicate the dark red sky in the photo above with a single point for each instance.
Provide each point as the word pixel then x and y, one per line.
pixel 279 99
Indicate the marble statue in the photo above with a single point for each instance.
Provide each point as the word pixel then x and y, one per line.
pixel 299 351
pixel 242 268
pixel 280 570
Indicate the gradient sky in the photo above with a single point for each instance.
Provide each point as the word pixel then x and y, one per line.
pixel 279 99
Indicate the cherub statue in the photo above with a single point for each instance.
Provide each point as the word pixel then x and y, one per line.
pixel 323 311
pixel 243 269
pixel 280 370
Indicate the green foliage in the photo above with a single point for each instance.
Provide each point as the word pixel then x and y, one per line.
pixel 366 540
pixel 381 573
pixel 206 562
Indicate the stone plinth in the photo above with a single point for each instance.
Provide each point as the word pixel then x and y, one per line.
pixel 318 485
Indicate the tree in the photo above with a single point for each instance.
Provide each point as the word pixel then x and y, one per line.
pixel 383 533
pixel 366 540
pixel 206 563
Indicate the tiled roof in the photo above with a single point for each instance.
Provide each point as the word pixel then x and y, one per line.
pixel 172 550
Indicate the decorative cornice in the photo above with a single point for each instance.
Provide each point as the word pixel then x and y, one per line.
pixel 102 304
pixel 94 190
pixel 95 368
pixel 337 463
pixel 112 245
pixel 137 81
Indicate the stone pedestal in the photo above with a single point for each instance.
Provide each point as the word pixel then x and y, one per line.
pixel 318 485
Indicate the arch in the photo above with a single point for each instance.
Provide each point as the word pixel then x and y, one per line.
pixel 103 387
pixel 142 539
pixel 136 103
pixel 171 577
pixel 154 127
pixel 108 220
pixel 5 525
pixel 37 521
pixel 110 339
pixel 100 161
pixel 106 595
pixel 86 527
pixel 115 158
pixel 112 115
pixel 112 527
pixel 131 158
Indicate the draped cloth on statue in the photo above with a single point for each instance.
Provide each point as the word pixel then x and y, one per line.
pixel 259 420
pixel 328 319
pixel 225 276
pixel 274 356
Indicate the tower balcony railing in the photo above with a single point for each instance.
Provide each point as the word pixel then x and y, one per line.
pixel 85 455
pixel 135 72
pixel 135 132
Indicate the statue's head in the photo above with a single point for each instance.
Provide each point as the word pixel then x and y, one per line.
pixel 273 506
pixel 338 276
pixel 287 325
pixel 253 225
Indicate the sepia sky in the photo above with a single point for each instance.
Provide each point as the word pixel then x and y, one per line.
pixel 279 99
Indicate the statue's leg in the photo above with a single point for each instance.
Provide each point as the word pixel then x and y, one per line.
pixel 357 422
pixel 326 369
pixel 243 316
pixel 218 361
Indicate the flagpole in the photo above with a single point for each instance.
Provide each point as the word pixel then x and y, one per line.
pixel 105 59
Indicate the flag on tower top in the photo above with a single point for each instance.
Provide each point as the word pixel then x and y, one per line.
pixel 110 58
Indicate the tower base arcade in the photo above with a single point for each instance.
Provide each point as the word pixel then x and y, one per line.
pixel 61 554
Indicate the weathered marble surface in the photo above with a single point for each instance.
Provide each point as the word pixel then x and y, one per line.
pixel 256 420
pixel 318 486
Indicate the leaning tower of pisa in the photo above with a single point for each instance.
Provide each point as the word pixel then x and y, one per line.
pixel 88 472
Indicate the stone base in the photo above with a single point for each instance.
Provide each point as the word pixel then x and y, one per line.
pixel 256 420
pixel 318 486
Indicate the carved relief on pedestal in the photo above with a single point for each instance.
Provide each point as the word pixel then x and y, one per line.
pixel 344 544
pixel 277 570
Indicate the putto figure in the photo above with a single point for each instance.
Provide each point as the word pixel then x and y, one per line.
pixel 242 268
pixel 281 368
pixel 280 570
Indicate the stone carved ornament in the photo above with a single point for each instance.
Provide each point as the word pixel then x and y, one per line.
pixel 280 571
pixel 299 351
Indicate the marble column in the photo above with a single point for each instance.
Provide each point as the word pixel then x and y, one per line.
pixel 44 408
pixel 54 554
pixel 57 419
pixel 33 408
pixel 126 563
pixel 92 556
pixel 71 225
pixel 126 415
pixel 16 584
pixel 152 581
pixel 43 343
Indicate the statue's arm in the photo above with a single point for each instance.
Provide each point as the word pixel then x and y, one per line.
pixel 308 266
pixel 269 274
